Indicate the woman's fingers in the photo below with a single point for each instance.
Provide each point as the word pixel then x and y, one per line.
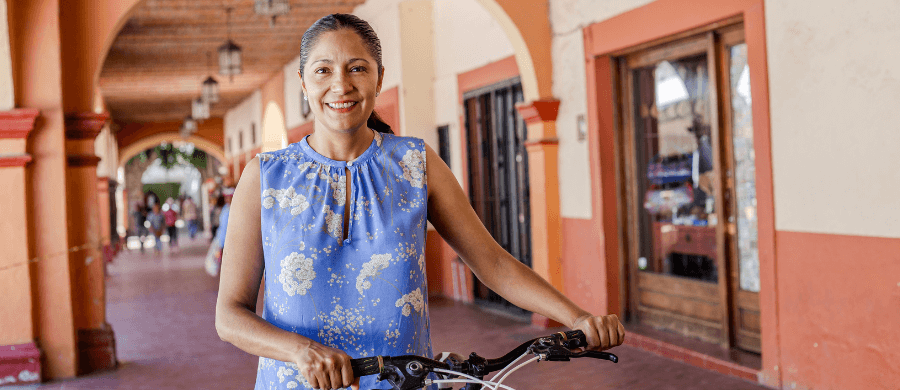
pixel 347 374
pixel 602 332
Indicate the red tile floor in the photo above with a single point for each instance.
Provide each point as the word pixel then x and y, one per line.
pixel 161 307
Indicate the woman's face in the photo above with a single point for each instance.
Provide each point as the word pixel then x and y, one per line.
pixel 341 79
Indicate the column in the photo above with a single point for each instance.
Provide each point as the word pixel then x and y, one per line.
pixel 19 355
pixel 543 175
pixel 95 341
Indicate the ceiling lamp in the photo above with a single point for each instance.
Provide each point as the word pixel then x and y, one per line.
pixel 200 108
pixel 229 54
pixel 188 127
pixel 209 90
pixel 273 8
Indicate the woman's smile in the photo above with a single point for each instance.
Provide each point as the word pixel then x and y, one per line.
pixel 343 106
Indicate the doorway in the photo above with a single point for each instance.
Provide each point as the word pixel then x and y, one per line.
pixel 498 175
pixel 688 179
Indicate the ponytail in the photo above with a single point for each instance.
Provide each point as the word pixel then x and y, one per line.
pixel 376 123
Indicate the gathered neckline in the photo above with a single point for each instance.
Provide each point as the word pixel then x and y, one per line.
pixel 370 152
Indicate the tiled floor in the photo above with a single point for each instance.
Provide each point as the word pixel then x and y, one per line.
pixel 161 307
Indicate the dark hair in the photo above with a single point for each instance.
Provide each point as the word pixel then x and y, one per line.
pixel 335 22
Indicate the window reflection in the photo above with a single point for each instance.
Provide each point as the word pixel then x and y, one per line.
pixel 675 169
pixel 744 168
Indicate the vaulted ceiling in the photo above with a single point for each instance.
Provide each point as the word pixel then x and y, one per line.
pixel 160 57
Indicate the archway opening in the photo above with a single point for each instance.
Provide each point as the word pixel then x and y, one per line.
pixel 274 134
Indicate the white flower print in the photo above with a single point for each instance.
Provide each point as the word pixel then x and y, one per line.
pixel 422 263
pixel 413 165
pixel 333 223
pixel 410 301
pixel 287 198
pixel 339 190
pixel 284 372
pixel 296 274
pixel 371 269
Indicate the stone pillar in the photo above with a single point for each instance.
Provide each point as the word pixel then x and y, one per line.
pixel 543 175
pixel 19 356
pixel 96 345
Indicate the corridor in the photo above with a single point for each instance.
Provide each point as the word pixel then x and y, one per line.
pixel 162 306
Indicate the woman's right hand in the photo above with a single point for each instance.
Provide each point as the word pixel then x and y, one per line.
pixel 325 367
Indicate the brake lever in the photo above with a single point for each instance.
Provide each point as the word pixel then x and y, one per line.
pixel 406 372
pixel 554 349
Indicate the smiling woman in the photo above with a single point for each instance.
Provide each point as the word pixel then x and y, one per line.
pixel 351 202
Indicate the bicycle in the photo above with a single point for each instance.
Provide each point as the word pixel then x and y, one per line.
pixel 409 372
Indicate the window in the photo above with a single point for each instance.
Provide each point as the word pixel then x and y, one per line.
pixel 253 134
pixel 444 143
pixel 240 140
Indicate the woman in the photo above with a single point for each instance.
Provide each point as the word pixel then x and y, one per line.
pixel 337 223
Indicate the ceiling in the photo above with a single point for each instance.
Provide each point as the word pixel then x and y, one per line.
pixel 160 57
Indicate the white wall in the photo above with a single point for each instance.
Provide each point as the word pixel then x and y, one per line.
pixel 383 16
pixel 834 89
pixel 7 95
pixel 239 120
pixel 466 37
pixel 567 20
pixel 292 117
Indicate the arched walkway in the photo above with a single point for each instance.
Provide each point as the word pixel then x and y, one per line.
pixel 203 144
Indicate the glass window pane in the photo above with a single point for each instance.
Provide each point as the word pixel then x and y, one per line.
pixel 674 174
pixel 744 168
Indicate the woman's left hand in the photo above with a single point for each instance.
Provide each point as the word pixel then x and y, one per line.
pixel 602 332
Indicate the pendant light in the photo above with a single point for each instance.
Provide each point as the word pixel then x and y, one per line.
pixel 229 54
pixel 272 8
pixel 210 87
pixel 200 108
pixel 188 127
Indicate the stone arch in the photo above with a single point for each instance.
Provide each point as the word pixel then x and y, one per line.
pixel 274 132
pixel 531 38
pixel 201 143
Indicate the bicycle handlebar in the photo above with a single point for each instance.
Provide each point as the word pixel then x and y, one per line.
pixel 408 372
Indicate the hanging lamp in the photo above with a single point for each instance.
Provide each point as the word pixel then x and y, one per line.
pixel 188 127
pixel 272 8
pixel 200 108
pixel 229 54
pixel 210 87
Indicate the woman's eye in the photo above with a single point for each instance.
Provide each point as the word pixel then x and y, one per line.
pixel 321 70
pixel 358 69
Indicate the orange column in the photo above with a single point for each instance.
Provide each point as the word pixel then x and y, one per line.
pixel 37 77
pixel 96 347
pixel 19 355
pixel 543 175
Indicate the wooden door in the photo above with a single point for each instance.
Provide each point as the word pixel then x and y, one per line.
pixel 679 164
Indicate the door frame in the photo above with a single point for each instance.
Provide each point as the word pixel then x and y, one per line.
pixel 643 26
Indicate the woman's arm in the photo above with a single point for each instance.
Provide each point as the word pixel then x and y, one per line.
pixel 242 270
pixel 450 213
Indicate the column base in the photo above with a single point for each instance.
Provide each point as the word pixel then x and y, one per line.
pixel 96 350
pixel 20 364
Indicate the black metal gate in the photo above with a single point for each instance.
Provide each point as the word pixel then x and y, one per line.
pixel 498 173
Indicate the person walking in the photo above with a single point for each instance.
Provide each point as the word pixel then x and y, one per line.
pixel 189 214
pixel 171 217
pixel 157 225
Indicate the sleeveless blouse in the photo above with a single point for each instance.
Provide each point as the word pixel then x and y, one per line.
pixel 364 294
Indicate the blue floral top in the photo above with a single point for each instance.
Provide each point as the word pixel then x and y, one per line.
pixel 364 294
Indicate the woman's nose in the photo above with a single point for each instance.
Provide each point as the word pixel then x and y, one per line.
pixel 340 83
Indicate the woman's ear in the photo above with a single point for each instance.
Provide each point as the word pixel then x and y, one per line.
pixel 380 80
pixel 302 84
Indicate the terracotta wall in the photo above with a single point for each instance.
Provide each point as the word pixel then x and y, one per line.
pixel 210 129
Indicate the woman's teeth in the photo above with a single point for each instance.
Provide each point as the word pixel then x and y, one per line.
pixel 339 106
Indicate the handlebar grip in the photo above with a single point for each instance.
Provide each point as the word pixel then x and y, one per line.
pixel 576 339
pixel 365 366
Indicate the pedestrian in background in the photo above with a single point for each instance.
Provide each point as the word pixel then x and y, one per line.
pixel 189 214
pixel 157 225
pixel 171 217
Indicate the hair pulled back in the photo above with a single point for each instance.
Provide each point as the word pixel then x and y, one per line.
pixel 335 22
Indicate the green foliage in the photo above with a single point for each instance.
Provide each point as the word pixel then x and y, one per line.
pixel 171 156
